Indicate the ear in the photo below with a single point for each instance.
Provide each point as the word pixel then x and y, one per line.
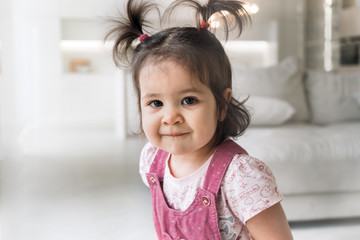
pixel 227 95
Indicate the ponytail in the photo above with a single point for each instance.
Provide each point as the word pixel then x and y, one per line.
pixel 127 30
pixel 230 13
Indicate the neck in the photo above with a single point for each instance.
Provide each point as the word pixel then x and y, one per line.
pixel 183 165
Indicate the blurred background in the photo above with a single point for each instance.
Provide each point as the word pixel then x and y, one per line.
pixel 69 155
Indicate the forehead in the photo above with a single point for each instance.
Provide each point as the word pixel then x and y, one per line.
pixel 166 73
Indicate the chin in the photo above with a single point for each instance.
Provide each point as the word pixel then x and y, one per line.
pixel 176 150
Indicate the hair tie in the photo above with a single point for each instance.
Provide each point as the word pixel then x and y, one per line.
pixel 204 25
pixel 143 37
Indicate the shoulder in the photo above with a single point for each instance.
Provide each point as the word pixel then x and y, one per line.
pixel 146 158
pixel 245 172
pixel 248 166
pixel 148 152
pixel 249 187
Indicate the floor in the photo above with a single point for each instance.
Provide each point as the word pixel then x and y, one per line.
pixel 80 184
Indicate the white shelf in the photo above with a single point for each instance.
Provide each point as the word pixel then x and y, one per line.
pixel 84 45
pixel 83 49
pixel 87 76
pixel 95 52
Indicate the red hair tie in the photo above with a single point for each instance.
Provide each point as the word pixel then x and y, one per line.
pixel 143 37
pixel 204 25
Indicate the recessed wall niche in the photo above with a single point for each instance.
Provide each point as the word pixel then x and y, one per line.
pixel 82 47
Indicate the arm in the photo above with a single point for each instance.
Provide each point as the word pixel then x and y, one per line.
pixel 271 224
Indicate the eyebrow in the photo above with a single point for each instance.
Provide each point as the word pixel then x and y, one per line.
pixel 150 95
pixel 184 91
pixel 190 90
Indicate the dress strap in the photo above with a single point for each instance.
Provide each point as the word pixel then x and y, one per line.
pixel 219 164
pixel 159 163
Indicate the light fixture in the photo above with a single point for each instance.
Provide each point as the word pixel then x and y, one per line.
pixel 251 8
pixel 214 20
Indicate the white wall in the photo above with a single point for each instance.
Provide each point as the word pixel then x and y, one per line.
pixel 30 61
pixel 286 12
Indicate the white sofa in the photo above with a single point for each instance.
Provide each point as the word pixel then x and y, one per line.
pixel 307 129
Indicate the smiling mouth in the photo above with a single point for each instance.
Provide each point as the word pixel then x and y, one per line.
pixel 175 134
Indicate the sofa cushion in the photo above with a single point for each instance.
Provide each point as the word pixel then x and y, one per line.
pixel 333 97
pixel 266 111
pixel 283 81
pixel 309 158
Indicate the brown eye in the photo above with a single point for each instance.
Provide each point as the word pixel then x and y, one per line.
pixel 188 101
pixel 156 104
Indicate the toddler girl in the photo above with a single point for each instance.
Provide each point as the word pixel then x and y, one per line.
pixel 203 185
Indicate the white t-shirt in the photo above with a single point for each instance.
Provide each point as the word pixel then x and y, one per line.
pixel 248 187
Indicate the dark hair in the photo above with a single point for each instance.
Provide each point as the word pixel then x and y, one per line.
pixel 194 47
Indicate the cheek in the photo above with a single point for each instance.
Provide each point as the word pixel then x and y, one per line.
pixel 212 113
pixel 213 119
pixel 149 124
pixel 207 121
pixel 145 121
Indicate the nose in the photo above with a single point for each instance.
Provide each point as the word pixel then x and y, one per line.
pixel 172 116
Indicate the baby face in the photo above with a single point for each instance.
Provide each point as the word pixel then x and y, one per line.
pixel 179 113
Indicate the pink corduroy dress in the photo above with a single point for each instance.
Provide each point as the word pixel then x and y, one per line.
pixel 200 219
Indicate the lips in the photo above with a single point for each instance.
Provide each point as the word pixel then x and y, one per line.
pixel 174 134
